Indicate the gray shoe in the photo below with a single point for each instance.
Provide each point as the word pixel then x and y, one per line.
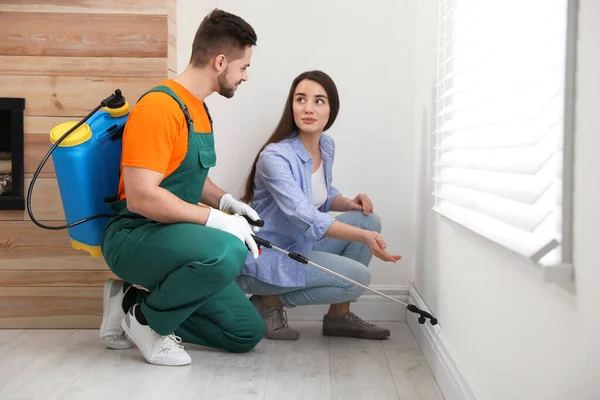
pixel 275 318
pixel 350 325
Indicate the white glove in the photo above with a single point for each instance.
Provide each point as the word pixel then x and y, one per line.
pixel 233 206
pixel 234 224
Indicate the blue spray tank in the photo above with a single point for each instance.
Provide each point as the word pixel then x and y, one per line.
pixel 86 157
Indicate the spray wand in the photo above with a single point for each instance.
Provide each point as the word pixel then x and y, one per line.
pixel 423 315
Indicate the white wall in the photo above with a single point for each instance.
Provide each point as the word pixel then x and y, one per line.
pixel 366 48
pixel 515 336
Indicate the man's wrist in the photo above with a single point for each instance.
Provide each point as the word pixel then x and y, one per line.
pixel 204 215
pixel 225 199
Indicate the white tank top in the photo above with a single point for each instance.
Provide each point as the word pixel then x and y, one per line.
pixel 319 187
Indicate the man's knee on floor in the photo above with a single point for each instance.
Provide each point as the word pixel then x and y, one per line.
pixel 254 331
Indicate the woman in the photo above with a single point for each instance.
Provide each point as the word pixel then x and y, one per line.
pixel 290 187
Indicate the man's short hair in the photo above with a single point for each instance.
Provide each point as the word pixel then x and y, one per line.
pixel 221 33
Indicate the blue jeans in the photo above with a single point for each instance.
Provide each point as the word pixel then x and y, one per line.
pixel 350 259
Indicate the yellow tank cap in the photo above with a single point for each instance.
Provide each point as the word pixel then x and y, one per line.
pixel 80 135
pixel 95 251
pixel 118 112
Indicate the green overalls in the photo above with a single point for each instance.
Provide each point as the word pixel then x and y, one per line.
pixel 189 269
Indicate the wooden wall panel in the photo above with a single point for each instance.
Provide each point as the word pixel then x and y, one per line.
pixel 172 32
pixel 72 96
pixel 172 10
pixel 95 35
pixel 69 260
pixel 135 7
pixel 48 278
pixel 36 147
pixel 42 125
pixel 37 144
pixel 50 307
pixel 64 57
pixel 83 66
pixel 28 246
pixel 172 50
pixel 46 204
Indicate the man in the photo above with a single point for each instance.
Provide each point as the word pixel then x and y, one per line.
pixel 185 255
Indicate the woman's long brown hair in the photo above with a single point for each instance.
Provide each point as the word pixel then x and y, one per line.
pixel 287 126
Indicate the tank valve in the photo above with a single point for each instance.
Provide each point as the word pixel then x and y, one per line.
pixel 115 104
pixel 115 100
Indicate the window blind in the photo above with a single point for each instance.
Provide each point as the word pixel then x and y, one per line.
pixel 500 121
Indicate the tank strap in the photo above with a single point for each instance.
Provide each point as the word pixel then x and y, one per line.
pixel 167 90
pixel 208 114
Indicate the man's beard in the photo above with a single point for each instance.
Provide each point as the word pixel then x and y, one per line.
pixel 224 90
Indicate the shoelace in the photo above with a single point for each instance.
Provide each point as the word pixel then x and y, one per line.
pixel 171 342
pixel 354 318
pixel 280 317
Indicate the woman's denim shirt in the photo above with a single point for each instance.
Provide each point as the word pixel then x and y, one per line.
pixel 283 198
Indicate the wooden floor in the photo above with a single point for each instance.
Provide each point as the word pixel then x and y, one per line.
pixel 74 365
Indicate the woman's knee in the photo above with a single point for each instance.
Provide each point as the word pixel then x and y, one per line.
pixel 371 222
pixel 360 274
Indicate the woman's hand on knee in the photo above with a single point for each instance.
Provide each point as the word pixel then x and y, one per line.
pixel 363 203
pixel 377 246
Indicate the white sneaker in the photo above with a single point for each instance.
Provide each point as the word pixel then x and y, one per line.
pixel 111 332
pixel 156 349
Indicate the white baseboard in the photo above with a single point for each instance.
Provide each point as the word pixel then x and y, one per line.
pixel 439 354
pixel 369 306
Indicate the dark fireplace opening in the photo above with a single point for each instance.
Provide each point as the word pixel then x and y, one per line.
pixel 12 154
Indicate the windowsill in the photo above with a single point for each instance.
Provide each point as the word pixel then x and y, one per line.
pixel 561 274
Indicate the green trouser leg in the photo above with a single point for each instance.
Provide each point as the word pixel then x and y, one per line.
pixel 226 321
pixel 190 273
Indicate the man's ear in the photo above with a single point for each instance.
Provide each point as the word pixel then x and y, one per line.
pixel 220 63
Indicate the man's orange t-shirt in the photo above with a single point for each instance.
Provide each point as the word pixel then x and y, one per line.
pixel 156 135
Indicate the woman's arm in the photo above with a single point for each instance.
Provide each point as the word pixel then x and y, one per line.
pixel 342 231
pixel 375 242
pixel 339 230
pixel 360 202
pixel 275 173
pixel 340 204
